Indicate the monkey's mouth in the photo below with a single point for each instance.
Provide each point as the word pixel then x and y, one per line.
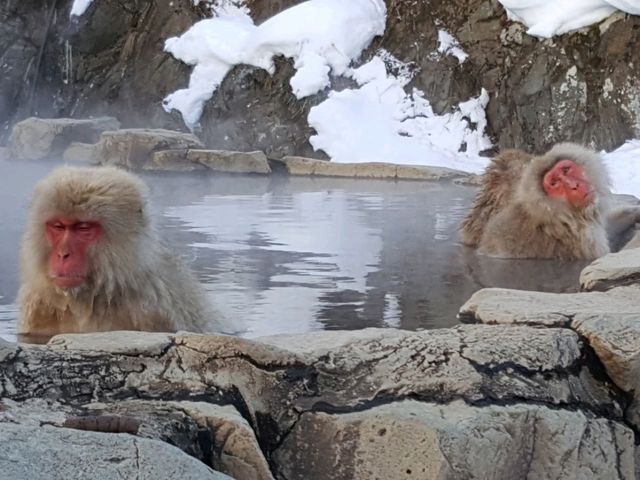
pixel 68 281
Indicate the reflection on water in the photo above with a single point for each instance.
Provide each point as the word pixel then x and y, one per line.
pixel 293 255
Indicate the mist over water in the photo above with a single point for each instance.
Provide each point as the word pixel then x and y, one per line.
pixel 286 255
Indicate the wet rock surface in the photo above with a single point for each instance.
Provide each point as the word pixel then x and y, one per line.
pixel 110 61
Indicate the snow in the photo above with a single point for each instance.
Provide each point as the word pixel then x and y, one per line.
pixel 321 36
pixel 379 122
pixel 624 168
pixel 546 18
pixel 447 44
pixel 79 7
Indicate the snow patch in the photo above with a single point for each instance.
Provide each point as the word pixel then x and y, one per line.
pixel 448 45
pixel 79 7
pixel 380 122
pixel 546 18
pixel 624 168
pixel 321 36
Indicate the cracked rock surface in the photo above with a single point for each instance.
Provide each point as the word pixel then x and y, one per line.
pixel 311 405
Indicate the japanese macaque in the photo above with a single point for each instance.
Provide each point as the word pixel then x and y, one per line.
pixel 91 261
pixel 552 206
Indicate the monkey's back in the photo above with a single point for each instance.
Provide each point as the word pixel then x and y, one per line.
pixel 497 189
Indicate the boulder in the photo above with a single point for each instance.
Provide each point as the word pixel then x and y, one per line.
pixel 81 154
pixel 475 400
pixel 172 161
pixel 615 269
pixel 410 439
pixel 49 453
pixel 505 306
pixel 133 148
pixel 310 166
pixel 230 162
pixel 39 138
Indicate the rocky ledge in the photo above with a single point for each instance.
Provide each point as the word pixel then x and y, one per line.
pixel 168 150
pixel 541 385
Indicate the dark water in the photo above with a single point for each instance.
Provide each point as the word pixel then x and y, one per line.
pixel 284 255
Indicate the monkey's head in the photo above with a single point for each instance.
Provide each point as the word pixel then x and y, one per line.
pixel 568 177
pixel 83 219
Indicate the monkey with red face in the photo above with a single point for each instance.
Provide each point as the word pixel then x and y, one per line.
pixel 548 206
pixel 91 261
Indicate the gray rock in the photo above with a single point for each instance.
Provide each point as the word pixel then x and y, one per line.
pixel 81 154
pixel 7 350
pixel 240 455
pixel 60 453
pixel 409 439
pixel 532 391
pixel 310 167
pixel 616 340
pixel 39 138
pixel 215 434
pixel 172 161
pixel 615 269
pixel 505 306
pixel 476 363
pixel 231 162
pixel 133 148
pixel 5 153
pixel 118 343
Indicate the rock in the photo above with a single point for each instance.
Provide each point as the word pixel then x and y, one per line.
pixel 616 341
pixel 7 350
pixel 504 306
pixel 56 455
pixel 528 396
pixel 471 180
pixel 409 439
pixel 216 435
pixel 133 148
pixel 130 343
pixel 173 161
pixel 240 455
pixel 421 172
pixel 81 154
pixel 310 166
pixel 231 162
pixel 615 269
pixel 470 362
pixel 39 138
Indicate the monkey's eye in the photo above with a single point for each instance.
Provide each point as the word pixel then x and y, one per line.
pixel 83 226
pixel 565 170
pixel 58 226
pixel 554 182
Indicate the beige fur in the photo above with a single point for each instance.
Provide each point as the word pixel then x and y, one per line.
pixel 134 282
pixel 521 221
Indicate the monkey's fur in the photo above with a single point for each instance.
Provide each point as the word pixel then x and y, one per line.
pixel 134 281
pixel 512 216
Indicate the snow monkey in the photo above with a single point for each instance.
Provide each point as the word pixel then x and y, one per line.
pixel 551 206
pixel 92 262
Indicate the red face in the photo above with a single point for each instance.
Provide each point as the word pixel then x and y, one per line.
pixel 566 181
pixel 69 239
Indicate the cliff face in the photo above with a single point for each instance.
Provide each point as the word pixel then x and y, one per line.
pixel 583 86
